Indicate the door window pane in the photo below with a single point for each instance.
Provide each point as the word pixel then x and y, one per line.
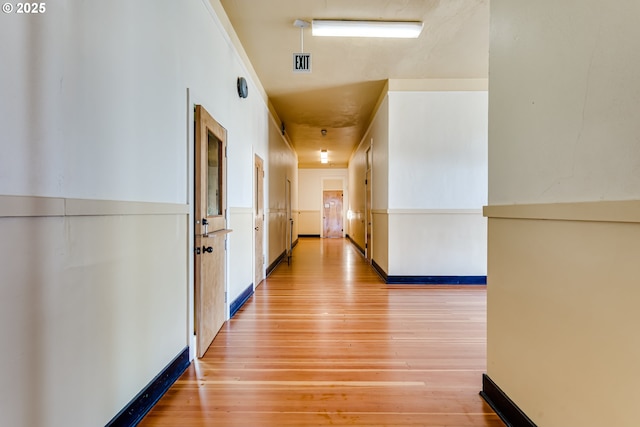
pixel 214 176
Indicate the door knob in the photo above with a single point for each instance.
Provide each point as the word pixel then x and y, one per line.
pixel 207 249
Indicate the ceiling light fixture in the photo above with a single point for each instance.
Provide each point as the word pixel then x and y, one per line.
pixel 349 28
pixel 324 156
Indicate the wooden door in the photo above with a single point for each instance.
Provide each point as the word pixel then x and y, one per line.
pixel 332 213
pixel 368 217
pixel 210 229
pixel 259 220
pixel 288 234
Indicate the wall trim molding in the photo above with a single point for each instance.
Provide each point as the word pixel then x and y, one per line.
pixel 379 270
pixel 434 211
pixel 604 211
pixel 427 211
pixel 240 211
pixel 35 206
pixel 504 407
pixel 275 263
pixel 353 242
pixel 240 300
pixel 142 403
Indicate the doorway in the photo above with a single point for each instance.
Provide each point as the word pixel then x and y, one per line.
pixel 332 219
pixel 289 220
pixel 259 220
pixel 367 205
pixel 210 230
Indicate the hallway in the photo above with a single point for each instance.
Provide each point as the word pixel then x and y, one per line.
pixel 324 341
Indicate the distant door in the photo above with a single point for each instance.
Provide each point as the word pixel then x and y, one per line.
pixel 210 229
pixel 332 214
pixel 289 221
pixel 368 216
pixel 259 220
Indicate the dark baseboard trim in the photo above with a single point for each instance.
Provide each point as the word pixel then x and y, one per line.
pixel 379 270
pixel 437 280
pixel 353 242
pixel 275 263
pixel 239 302
pixel 135 410
pixel 295 242
pixel 502 405
pixel 309 235
pixel 428 280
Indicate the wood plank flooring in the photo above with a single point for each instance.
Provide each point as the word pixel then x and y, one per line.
pixel 324 341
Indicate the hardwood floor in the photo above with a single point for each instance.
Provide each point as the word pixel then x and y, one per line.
pixel 325 342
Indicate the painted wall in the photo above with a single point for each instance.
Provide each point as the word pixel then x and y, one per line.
pixel 92 307
pixel 312 183
pixel 376 137
pixel 282 166
pixel 429 179
pixel 97 105
pixel 564 127
pixel 357 199
pixel 437 182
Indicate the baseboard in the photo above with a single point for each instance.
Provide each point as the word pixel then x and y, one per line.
pixel 379 270
pixel 353 242
pixel 239 302
pixel 275 263
pixel 428 280
pixel 138 407
pixel 436 280
pixel 504 407
pixel 295 242
pixel 309 235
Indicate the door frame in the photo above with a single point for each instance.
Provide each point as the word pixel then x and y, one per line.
pixel 339 213
pixel 258 279
pixel 345 201
pixel 211 231
pixel 368 203
pixel 192 101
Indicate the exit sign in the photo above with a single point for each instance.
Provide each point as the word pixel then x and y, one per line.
pixel 301 62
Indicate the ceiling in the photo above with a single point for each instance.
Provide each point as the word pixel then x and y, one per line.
pixel 349 74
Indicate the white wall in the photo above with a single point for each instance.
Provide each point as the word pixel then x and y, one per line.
pixel 564 127
pixel 377 139
pixel 437 183
pixel 312 183
pixel 572 101
pixel 438 150
pixel 95 301
pixel 429 179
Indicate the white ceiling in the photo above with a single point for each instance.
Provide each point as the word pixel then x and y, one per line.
pixel 348 74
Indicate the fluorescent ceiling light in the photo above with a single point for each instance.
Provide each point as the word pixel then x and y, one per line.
pixel 346 28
